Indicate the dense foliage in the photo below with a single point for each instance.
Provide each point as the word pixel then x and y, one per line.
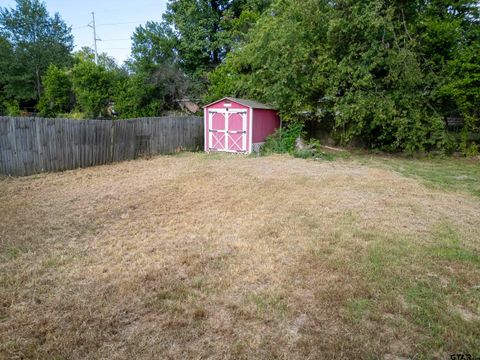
pixel 283 140
pixel 35 41
pixel 387 73
pixel 57 94
pixel 384 74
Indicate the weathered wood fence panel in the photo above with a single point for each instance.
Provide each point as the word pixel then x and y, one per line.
pixel 34 145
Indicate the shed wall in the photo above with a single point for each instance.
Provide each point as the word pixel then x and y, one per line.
pixel 265 122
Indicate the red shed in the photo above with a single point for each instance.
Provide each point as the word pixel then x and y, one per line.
pixel 238 125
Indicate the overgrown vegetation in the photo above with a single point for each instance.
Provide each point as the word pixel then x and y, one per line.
pixel 386 74
pixel 283 140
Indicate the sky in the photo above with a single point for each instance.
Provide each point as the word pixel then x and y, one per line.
pixel 115 21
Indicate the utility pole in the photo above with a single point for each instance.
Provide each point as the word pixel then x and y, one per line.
pixel 94 37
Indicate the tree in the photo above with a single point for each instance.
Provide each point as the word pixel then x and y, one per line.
pixel 206 30
pixel 139 97
pixel 156 80
pixel 153 45
pixel 38 40
pixel 87 54
pixel 93 86
pixel 57 95
pixel 387 73
pixel 198 26
pixel 283 60
pixel 6 65
pixel 452 42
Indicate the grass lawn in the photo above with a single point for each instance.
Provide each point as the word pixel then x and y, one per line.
pixel 232 257
pixel 461 174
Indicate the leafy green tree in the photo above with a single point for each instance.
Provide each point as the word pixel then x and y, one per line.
pixel 198 24
pixel 156 80
pixel 57 94
pixel 93 86
pixel 379 86
pixel 152 45
pixel 386 72
pixel 87 54
pixel 206 30
pixel 38 40
pixel 284 61
pixel 239 18
pixel 6 62
pixel 139 97
pixel 453 45
pixel 170 59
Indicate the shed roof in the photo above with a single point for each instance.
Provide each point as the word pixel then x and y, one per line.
pixel 250 103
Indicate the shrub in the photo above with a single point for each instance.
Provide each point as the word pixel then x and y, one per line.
pixel 283 140
pixel 12 108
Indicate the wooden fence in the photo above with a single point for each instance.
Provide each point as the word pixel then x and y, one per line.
pixel 34 145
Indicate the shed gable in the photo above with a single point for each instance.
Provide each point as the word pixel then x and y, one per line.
pixel 245 102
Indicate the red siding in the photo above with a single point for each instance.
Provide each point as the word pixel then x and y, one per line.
pixel 265 122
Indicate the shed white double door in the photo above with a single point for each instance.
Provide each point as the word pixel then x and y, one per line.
pixel 227 130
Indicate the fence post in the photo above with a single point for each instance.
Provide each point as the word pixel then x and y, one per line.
pixel 13 143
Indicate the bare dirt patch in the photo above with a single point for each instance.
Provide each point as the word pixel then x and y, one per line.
pixel 198 256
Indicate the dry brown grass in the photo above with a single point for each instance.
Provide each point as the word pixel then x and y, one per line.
pixel 197 256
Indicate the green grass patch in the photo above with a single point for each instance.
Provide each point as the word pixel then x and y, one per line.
pixel 433 309
pixel 458 174
pixel 387 257
pixel 429 311
pixel 270 304
pixel 304 154
pixel 359 308
pixel 396 267
pixel 448 246
pixel 456 254
pixel 12 252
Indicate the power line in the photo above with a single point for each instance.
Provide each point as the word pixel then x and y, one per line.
pixel 110 24
pixel 80 27
pixel 116 39
pixel 121 23
pixel 94 27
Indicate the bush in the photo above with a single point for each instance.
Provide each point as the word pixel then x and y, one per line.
pixel 12 108
pixel 283 140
